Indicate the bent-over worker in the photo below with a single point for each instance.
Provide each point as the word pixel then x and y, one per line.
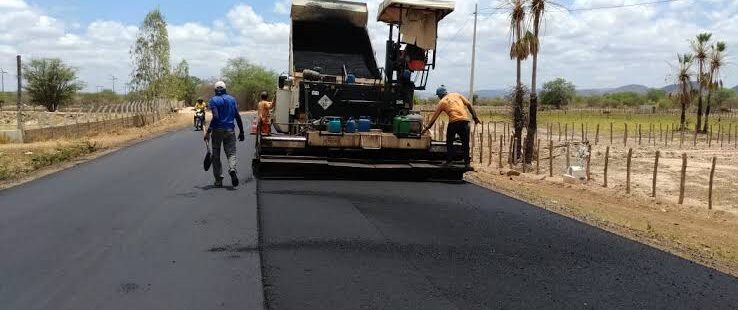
pixel 222 129
pixel 455 106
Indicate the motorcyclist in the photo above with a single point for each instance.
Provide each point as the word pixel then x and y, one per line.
pixel 199 113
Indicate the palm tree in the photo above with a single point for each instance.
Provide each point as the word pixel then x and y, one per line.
pixel 519 50
pixel 537 10
pixel 684 85
pixel 715 63
pixel 700 50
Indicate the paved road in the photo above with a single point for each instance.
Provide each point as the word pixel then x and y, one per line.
pixel 141 229
pixel 369 245
pixel 137 229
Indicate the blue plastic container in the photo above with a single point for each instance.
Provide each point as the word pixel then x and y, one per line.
pixel 364 124
pixel 351 125
pixel 334 125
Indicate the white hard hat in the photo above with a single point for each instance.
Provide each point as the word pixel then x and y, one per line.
pixel 220 84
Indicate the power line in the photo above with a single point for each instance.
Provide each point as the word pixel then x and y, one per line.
pixel 621 6
pixel 608 7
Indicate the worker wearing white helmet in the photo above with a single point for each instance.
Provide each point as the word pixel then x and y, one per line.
pixel 222 129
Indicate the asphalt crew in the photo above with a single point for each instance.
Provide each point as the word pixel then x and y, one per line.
pixel 265 108
pixel 455 106
pixel 222 132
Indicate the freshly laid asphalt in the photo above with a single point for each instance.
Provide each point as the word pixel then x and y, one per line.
pixel 142 228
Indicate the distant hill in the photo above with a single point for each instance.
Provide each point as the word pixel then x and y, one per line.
pixel 673 87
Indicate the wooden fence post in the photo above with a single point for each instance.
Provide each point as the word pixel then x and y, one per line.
pixel 589 157
pixel 639 134
pixel 683 178
pixel 510 155
pixel 627 178
pixel 625 137
pixel 650 133
pixel 550 158
pixel 709 138
pixel 712 176
pixel 583 136
pixel 538 157
pixel 481 147
pixel 502 141
pixel 610 133
pixel 568 164
pixel 559 131
pixel 566 132
pixel 607 161
pixel 597 134
pixel 489 149
pixel 495 130
pixel 655 173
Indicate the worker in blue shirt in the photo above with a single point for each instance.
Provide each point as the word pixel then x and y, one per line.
pixel 222 130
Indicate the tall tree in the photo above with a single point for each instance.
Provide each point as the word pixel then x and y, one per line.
pixel 684 85
pixel 557 93
pixel 50 82
pixel 715 61
pixel 150 54
pixel 246 80
pixel 519 50
pixel 700 50
pixel 537 10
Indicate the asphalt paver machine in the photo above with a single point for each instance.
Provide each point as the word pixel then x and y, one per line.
pixel 337 113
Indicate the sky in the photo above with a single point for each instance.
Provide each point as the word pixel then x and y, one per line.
pixel 592 48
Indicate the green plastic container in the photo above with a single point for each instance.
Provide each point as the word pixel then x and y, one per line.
pixel 407 126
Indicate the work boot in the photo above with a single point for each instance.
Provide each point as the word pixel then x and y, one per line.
pixel 234 178
pixel 218 182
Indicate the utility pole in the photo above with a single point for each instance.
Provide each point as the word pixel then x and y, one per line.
pixel 2 86
pixel 2 79
pixel 19 114
pixel 474 55
pixel 113 78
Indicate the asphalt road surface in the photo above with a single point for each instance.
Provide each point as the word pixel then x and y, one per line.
pixel 142 229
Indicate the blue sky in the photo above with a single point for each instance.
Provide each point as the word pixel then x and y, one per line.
pixel 593 49
pixel 132 11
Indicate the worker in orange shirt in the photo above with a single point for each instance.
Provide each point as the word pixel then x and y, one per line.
pixel 455 106
pixel 265 108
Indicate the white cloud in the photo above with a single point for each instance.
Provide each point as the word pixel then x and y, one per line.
pixel 282 7
pixel 599 48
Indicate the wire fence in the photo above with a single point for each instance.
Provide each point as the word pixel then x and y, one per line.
pixel 81 120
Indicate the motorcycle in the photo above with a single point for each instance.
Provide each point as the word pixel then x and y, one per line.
pixel 199 119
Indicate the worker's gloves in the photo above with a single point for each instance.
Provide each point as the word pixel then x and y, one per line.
pixel 477 121
pixel 241 136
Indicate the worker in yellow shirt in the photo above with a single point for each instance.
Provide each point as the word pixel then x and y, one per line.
pixel 265 108
pixel 455 106
pixel 199 119
pixel 200 104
